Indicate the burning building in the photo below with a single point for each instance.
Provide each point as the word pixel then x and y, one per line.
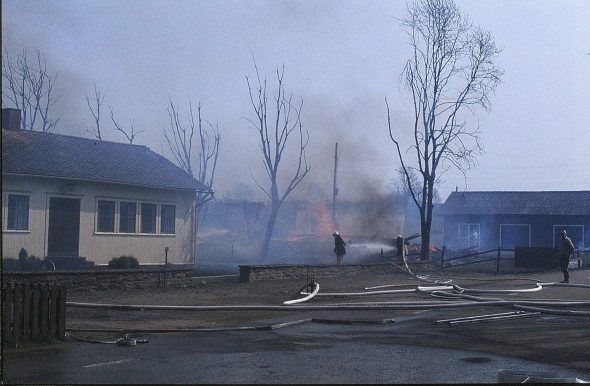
pixel 303 232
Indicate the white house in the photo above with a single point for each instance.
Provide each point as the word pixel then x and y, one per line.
pixel 70 197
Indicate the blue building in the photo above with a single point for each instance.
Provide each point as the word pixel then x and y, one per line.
pixel 487 220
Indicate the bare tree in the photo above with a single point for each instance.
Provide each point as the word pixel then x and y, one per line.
pixel 275 134
pixel 29 87
pixel 180 143
pixel 451 71
pixel 414 179
pixel 98 99
pixel 129 135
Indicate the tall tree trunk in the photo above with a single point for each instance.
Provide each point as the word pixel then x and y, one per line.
pixel 268 233
pixel 426 218
pixel 425 247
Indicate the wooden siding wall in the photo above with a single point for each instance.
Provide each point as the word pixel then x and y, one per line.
pixel 95 247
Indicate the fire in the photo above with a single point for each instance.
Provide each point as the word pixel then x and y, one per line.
pixel 320 214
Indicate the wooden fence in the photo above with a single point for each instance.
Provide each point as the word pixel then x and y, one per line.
pixel 33 311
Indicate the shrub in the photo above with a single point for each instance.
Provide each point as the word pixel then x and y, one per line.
pixel 33 264
pixel 123 262
pixel 23 263
pixel 10 264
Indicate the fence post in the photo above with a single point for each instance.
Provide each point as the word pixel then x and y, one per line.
pixel 165 266
pixel 498 262
pixel 26 288
pixel 44 309
pixel 36 313
pixel 61 313
pixel 442 259
pixel 53 310
pixel 7 301
pixel 17 320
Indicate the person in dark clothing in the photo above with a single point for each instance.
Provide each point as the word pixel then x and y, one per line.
pixel 566 247
pixel 339 247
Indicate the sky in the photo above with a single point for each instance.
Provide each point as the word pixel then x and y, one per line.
pixel 341 58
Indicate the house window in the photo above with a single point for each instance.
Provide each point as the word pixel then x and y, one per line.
pixel 515 235
pixel 468 236
pixel 124 217
pixel 574 232
pixel 127 217
pixel 106 216
pixel 18 212
pixel 167 218
pixel 148 218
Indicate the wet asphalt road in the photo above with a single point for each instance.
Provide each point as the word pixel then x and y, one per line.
pixel 304 353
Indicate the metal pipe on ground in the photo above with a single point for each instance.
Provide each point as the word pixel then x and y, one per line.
pixel 494 318
pixel 333 307
pixel 270 327
pixel 477 317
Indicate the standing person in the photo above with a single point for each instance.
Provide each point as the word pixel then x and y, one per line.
pixel 339 249
pixel 566 247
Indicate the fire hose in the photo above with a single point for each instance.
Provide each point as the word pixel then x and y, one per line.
pixel 126 341
pixel 489 317
pixel 569 303
pixel 424 289
pixel 316 287
pixel 461 299
pixel 496 291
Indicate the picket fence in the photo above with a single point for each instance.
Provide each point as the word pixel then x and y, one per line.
pixel 33 310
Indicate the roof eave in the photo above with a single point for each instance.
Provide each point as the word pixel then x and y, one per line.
pixel 197 190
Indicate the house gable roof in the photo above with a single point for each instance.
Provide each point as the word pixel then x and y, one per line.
pixel 569 203
pixel 35 153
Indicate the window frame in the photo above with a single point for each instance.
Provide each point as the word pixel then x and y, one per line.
pixel 505 227
pixel 99 217
pixel 143 218
pixel 570 233
pixel 165 223
pixel 131 220
pixel 463 241
pixel 125 222
pixel 18 214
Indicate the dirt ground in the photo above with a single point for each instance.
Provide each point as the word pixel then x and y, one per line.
pixel 547 337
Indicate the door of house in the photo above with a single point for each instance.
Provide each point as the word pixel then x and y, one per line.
pixel 64 227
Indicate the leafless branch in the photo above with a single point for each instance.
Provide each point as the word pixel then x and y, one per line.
pixel 28 86
pixel 98 100
pixel 180 143
pixel 129 135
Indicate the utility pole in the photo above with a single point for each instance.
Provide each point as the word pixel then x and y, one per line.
pixel 335 187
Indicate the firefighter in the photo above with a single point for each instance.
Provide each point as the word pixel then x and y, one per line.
pixel 566 247
pixel 339 247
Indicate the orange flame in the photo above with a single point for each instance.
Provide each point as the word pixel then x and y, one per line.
pixel 320 213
